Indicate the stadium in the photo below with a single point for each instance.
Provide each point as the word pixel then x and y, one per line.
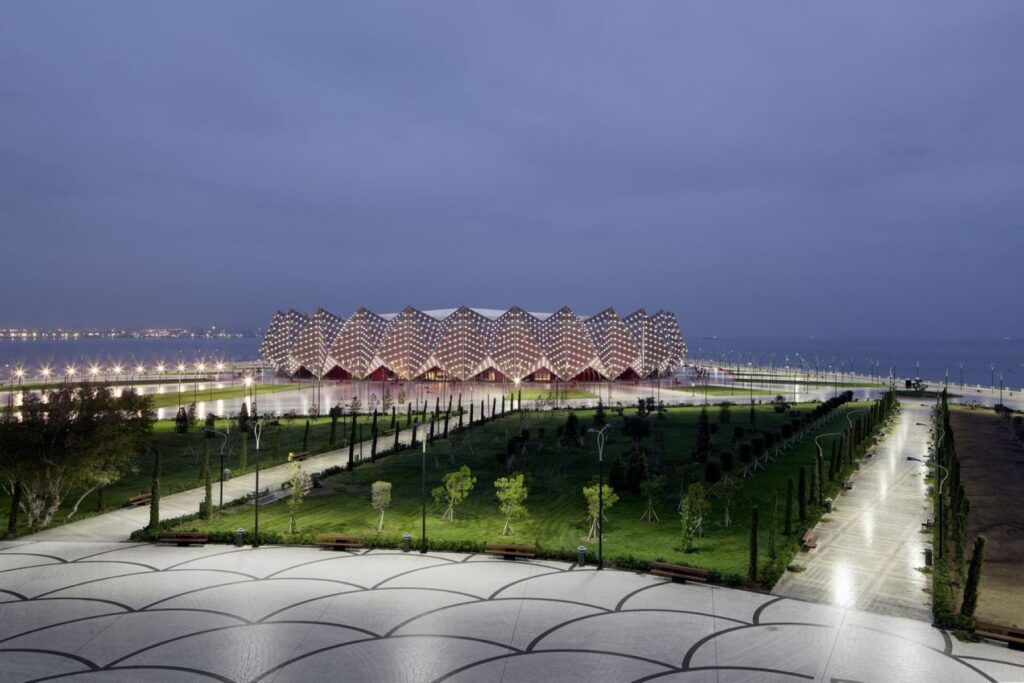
pixel 473 344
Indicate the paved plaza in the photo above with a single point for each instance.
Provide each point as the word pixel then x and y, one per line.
pixel 130 612
pixel 871 546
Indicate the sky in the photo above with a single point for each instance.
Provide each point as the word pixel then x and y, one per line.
pixel 775 169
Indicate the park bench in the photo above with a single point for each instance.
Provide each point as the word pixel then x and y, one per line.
pixel 1014 637
pixel 184 538
pixel 927 522
pixel 678 571
pixel 509 550
pixel 809 540
pixel 304 455
pixel 335 542
pixel 139 500
pixel 1008 634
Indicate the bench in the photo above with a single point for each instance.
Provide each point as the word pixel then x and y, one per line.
pixel 1014 637
pixel 678 571
pixel 139 500
pixel 335 542
pixel 509 550
pixel 304 455
pixel 184 538
pixel 809 540
pixel 927 523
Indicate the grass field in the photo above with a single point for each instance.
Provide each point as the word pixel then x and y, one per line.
pixel 180 453
pixel 768 379
pixel 557 519
pixel 171 398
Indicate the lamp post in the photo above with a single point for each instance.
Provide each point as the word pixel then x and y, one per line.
pixel 69 373
pixel 961 375
pixel 600 492
pixel 222 445
pixel 181 369
pixel 423 493
pixel 257 429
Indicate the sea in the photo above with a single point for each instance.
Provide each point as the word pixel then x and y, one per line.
pixel 984 361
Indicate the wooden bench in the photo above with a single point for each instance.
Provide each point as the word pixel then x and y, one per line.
pixel 679 572
pixel 139 500
pixel 1014 637
pixel 509 550
pixel 184 538
pixel 809 540
pixel 335 542
pixel 304 455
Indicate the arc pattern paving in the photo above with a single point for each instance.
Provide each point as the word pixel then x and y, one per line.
pixel 120 612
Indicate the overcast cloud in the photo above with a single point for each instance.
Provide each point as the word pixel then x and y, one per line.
pixel 804 168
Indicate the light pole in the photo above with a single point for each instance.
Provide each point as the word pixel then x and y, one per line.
pixel 181 369
pixel 222 445
pixel 423 493
pixel 600 492
pixel 961 375
pixel 257 429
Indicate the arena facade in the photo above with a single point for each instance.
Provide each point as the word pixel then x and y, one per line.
pixel 474 344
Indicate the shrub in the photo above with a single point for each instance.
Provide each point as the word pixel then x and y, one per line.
pixel 746 453
pixel 713 470
pixel 726 458
pixel 769 440
pixel 787 431
pixel 757 445
pixel 737 432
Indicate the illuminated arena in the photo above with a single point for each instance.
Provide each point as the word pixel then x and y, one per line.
pixel 473 344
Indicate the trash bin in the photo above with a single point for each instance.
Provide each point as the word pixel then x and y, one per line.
pixel 239 537
pixel 581 556
pixel 226 474
pixel 406 542
pixel 928 556
pixel 202 508
pixel 315 478
pixel 828 505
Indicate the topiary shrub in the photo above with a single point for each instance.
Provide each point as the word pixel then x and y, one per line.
pixel 737 432
pixel 746 453
pixel 713 470
pixel 787 431
pixel 757 445
pixel 769 440
pixel 726 458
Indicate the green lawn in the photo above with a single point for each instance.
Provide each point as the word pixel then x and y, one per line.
pixel 768 379
pixel 535 394
pixel 557 510
pixel 717 390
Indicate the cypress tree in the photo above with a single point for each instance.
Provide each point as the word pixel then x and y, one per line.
pixel 415 425
pixel 445 435
pixel 773 529
pixel 408 414
pixel 449 411
pixel 801 496
pixel 494 406
pixel 12 519
pixel 373 438
pixel 437 407
pixel 207 481
pixel 423 417
pixel 788 523
pixel 752 573
pixel 813 488
pixel 471 414
pixel 395 448
pixel 352 444
pixel 305 437
pixel 973 579
pixel 519 400
pixel 821 483
pixel 483 414
pixel 154 501
pixel 334 424
pixel 430 436
pixel 394 417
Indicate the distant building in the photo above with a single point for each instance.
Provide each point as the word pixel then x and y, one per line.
pixel 475 344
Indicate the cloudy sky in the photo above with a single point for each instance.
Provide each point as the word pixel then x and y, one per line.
pixel 799 168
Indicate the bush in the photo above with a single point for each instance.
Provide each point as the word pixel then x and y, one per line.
pixel 757 445
pixel 726 458
pixel 737 432
pixel 746 453
pixel 713 470
pixel 769 440
pixel 787 431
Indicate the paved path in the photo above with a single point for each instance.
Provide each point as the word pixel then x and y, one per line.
pixel 129 612
pixel 869 550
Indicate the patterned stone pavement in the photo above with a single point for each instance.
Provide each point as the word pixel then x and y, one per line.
pixel 130 612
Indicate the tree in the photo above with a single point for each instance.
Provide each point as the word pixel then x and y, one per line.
pixel 243 417
pixel 753 414
pixel 713 471
pixel 401 396
pixel 752 565
pixel 352 442
pixel 299 484
pixel 572 430
pixel 597 497
pixel 380 499
pixel 636 428
pixel 181 421
pixel 779 404
pixel 801 496
pixel 788 528
pixel 75 441
pixel 703 444
pixel 697 501
pixel 154 500
pixel 637 470
pixel 773 528
pixel 617 474
pixel 970 601
pixel 207 482
pixel 334 413
pixel 726 458
pixel 650 490
pixel 723 413
pixel 305 438
pixel 599 416
pixel 727 491
pixel 354 406
pixel 373 438
pixel 243 449
pixel 386 401
pixel 511 493
pixel 455 488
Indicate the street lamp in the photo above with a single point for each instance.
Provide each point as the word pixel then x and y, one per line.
pixel 45 371
pixel 69 372
pixel 181 369
pixel 257 430
pixel 600 492
pixel 19 372
pixel 140 369
pixel 423 492
pixel 94 370
pixel 222 445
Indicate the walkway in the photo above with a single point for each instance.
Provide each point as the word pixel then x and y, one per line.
pixel 129 612
pixel 871 545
